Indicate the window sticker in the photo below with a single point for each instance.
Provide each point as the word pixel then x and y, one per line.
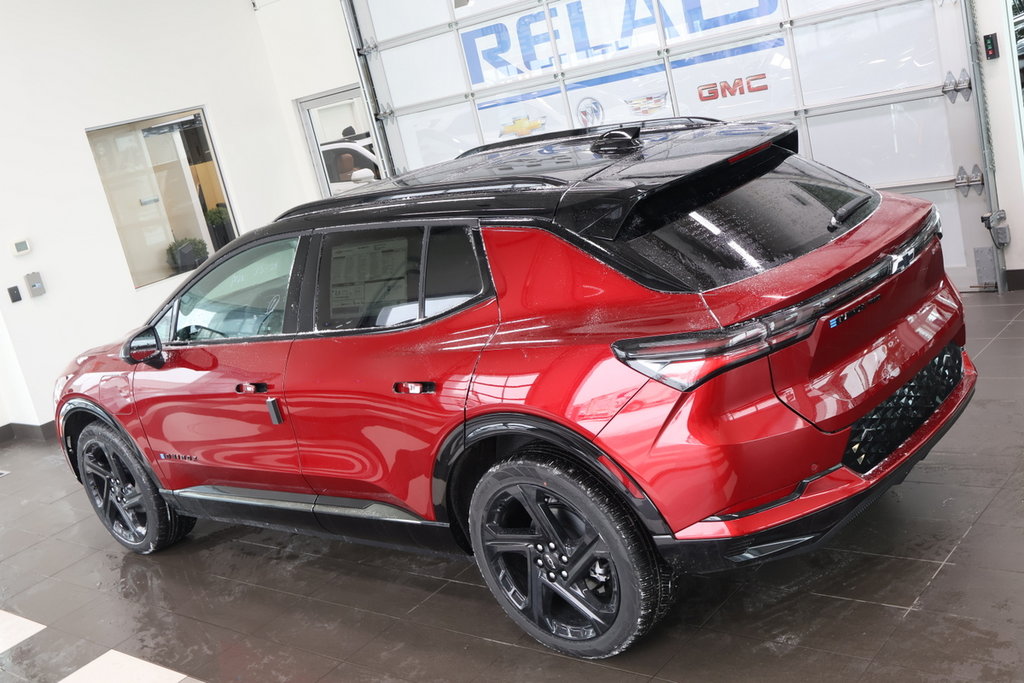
pixel 368 274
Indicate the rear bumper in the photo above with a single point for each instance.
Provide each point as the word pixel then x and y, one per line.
pixel 808 521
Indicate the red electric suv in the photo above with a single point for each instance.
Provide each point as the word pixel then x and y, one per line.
pixel 593 359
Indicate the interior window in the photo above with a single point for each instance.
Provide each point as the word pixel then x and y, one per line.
pixel 243 297
pixel 369 278
pixel 453 274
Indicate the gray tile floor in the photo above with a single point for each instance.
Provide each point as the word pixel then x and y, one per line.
pixel 927 585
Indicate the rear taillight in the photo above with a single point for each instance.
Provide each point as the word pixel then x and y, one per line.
pixel 685 361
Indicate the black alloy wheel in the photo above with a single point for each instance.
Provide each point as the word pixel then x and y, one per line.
pixel 563 557
pixel 123 495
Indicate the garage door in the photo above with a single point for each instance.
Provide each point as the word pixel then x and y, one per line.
pixel 881 90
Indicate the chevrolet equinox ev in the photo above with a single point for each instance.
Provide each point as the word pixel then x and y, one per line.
pixel 594 359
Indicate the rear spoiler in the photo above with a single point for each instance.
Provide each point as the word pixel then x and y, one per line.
pixel 605 209
pixel 651 125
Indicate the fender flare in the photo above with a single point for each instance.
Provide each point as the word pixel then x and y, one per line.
pixel 81 405
pixel 578 448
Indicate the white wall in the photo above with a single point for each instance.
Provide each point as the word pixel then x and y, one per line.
pixel 309 52
pixel 71 66
pixel 15 403
pixel 1003 96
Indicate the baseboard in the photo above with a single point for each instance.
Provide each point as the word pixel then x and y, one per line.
pixel 10 432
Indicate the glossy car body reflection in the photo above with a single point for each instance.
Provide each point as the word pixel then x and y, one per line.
pixel 727 414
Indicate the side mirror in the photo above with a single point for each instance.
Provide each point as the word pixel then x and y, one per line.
pixel 143 346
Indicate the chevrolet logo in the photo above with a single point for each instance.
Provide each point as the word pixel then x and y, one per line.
pixel 521 127
pixel 898 262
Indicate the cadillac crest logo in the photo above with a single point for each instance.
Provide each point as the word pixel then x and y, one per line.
pixel 647 104
pixel 590 112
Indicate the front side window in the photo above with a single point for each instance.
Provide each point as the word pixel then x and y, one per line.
pixel 245 296
pixel 165 193
pixel 387 277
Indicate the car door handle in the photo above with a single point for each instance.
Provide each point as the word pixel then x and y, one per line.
pixel 251 388
pixel 274 408
pixel 414 387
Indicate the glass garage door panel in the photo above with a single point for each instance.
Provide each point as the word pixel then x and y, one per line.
pixel 414 75
pixel 948 203
pixel 881 51
pixel 798 8
pixel 437 135
pixel 631 95
pixel 518 115
pixel 508 49
pixel 886 145
pixel 685 20
pixel 741 81
pixel 587 32
pixel 399 17
pixel 468 8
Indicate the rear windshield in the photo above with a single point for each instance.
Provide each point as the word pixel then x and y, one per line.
pixel 714 236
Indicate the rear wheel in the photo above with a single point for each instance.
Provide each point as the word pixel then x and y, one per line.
pixel 123 495
pixel 564 558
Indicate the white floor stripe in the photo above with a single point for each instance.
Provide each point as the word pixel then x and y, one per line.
pixel 116 667
pixel 14 629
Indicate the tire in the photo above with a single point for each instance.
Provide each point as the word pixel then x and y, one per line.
pixel 564 557
pixel 123 495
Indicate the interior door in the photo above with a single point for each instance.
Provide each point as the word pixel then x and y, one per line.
pixel 382 381
pixel 214 412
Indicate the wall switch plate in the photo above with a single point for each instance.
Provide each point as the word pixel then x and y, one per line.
pixel 14 293
pixel 991 46
pixel 22 247
pixel 34 281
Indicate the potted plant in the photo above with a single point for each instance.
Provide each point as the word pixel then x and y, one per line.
pixel 219 222
pixel 186 254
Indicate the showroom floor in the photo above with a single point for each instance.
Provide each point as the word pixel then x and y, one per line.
pixel 927 585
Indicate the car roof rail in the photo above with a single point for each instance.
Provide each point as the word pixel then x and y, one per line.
pixel 675 123
pixel 394 192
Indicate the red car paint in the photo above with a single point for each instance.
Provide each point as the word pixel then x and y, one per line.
pixel 541 347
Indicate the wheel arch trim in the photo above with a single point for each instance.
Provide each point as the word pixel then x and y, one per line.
pixel 577 448
pixel 78 405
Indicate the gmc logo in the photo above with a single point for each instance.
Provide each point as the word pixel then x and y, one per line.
pixel 740 86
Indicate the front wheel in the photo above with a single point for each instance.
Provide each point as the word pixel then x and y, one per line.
pixel 563 557
pixel 122 494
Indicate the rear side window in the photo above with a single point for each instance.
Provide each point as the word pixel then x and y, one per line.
pixel 391 276
pixel 372 278
pixel 726 237
pixel 453 273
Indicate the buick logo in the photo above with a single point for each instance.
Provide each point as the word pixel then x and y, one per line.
pixel 590 112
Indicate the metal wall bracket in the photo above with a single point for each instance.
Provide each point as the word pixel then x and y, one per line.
pixel 953 86
pixel 964 182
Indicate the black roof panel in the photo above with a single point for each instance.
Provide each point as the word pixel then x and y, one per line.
pixel 561 173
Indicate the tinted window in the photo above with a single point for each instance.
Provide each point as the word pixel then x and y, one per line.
pixel 453 274
pixel 163 325
pixel 725 237
pixel 245 296
pixel 369 278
